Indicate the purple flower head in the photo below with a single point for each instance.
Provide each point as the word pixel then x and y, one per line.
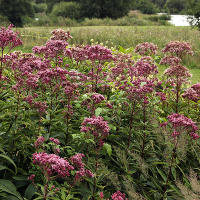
pixel 118 196
pixel 40 106
pixel 97 98
pixel 177 74
pixel 59 34
pixel 40 140
pixel 161 95
pixel 77 160
pixel 178 48
pixel 82 172
pixel 52 164
pixel 181 123
pixel 146 48
pixel 191 94
pixel 196 87
pixel 96 125
pixel 145 67
pixel 170 60
pixel 8 38
pixel 52 48
pixel 54 140
pixel 31 177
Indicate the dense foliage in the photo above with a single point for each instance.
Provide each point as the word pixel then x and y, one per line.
pixel 20 12
pixel 16 10
pixel 88 122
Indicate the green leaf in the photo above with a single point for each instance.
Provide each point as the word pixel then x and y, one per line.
pixel 30 191
pixel 161 174
pixel 2 167
pixel 108 148
pixel 174 172
pixel 10 160
pixel 20 178
pixel 8 187
pixel 112 127
pixel 98 111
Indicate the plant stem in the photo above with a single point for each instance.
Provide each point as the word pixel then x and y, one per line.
pixel 170 169
pixel 144 130
pixel 131 124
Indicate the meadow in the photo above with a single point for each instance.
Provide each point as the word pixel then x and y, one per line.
pixel 124 36
pixel 99 113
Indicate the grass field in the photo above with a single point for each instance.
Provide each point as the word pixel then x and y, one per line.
pixel 125 36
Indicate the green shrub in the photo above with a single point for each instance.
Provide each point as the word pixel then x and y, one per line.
pixel 39 8
pixel 67 9
pixel 159 18
pixel 4 21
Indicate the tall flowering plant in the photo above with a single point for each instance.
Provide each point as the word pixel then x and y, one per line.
pixel 53 167
pixel 179 124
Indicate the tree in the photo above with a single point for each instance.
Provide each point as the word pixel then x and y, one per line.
pixel 15 10
pixel 145 6
pixel 175 6
pixel 105 8
pixel 193 7
pixel 67 9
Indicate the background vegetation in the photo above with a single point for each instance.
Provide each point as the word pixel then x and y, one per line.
pixel 75 12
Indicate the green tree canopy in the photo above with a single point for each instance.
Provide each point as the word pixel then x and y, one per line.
pixel 175 6
pixel 105 8
pixel 15 10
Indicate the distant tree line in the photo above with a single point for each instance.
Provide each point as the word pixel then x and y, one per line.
pixel 17 11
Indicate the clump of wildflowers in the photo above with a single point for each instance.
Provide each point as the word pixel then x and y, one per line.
pixel 97 127
pixel 9 38
pixel 97 98
pixel 118 196
pixel 54 140
pixel 52 48
pixel 178 48
pixel 40 140
pixel 145 67
pixel 180 123
pixel 78 163
pixel 161 95
pixel 170 60
pixel 177 75
pixel 52 164
pixel 191 94
pixel 146 48
pixel 60 34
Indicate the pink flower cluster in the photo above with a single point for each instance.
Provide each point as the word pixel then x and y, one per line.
pixel 54 140
pixel 146 48
pixel 81 171
pixel 177 75
pixel 161 95
pixel 8 38
pixel 59 34
pixel 96 126
pixel 181 123
pixel 52 48
pixel 139 89
pixel 145 67
pixel 193 93
pixel 40 140
pixel 52 164
pixel 170 60
pixel 94 52
pixel 118 196
pixel 178 48
pixel 97 98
